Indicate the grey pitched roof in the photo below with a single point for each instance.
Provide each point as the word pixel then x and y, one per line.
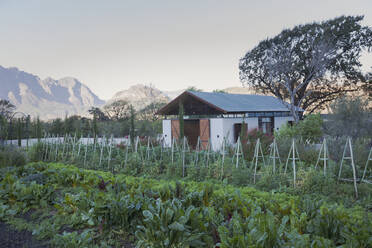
pixel 242 102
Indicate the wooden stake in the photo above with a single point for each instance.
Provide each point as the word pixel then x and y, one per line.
pixel 81 137
pixel 365 168
pixel 274 155
pixel 56 150
pixel 73 147
pixel 149 149
pixel 293 151
pixel 197 151
pixel 238 153
pixel 101 154
pixel 256 156
pixel 351 158
pixel 183 156
pixel 136 145
pixel 207 155
pixel 174 147
pixel 86 149
pixel 109 153
pixel 323 156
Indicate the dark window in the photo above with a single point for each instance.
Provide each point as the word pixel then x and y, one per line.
pixel 238 130
pixel 266 124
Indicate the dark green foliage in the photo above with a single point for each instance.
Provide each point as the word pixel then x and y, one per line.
pixel 3 129
pixel 74 212
pixel 12 156
pixel 98 114
pixel 95 128
pixel 150 112
pixel 132 127
pixel 6 108
pixel 249 142
pixel 193 88
pixel 349 117
pixel 309 129
pixel 38 128
pixel 36 152
pixel 117 110
pixel 169 224
pixel 19 127
pixel 57 127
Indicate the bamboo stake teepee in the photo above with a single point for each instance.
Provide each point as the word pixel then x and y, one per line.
pixel 323 157
pixel 207 154
pixel 351 158
pixel 238 153
pixel 174 149
pixel 86 150
pixel 184 149
pixel 274 155
pixel 256 157
pixel 197 151
pixel 292 155
pixel 366 167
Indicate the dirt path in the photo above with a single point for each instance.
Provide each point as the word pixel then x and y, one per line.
pixel 11 238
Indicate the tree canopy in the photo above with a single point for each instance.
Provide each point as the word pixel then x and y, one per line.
pixel 193 88
pixel 150 111
pixel 6 108
pixel 97 114
pixel 117 110
pixel 310 64
pixel 349 117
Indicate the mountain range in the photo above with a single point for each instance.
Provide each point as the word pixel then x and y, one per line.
pixel 49 98
pixel 46 98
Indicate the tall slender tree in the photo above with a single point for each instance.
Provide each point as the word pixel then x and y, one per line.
pixel 38 128
pixel 132 126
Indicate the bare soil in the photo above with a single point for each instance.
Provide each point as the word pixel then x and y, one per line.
pixel 12 238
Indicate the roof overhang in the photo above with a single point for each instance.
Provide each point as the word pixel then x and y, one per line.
pixel 192 104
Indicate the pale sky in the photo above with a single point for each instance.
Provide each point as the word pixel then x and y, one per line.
pixel 110 45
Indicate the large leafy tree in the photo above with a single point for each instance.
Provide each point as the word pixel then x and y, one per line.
pixel 97 114
pixel 6 108
pixel 117 110
pixel 309 65
pixel 6 112
pixel 349 117
pixel 149 112
pixel 367 87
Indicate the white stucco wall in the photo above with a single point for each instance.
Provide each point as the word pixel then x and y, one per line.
pixel 228 125
pixel 223 127
pixel 279 121
pixel 167 133
pixel 216 133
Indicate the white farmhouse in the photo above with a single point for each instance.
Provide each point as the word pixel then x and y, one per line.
pixel 215 116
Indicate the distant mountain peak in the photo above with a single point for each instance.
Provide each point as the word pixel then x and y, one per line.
pixel 48 98
pixel 140 95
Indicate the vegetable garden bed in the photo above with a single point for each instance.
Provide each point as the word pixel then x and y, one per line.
pixel 74 207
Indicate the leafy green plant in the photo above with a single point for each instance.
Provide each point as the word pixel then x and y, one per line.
pixel 168 225
pixel 12 156
pixel 309 129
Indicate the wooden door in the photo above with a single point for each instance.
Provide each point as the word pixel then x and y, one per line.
pixel 204 133
pixel 175 129
pixel 238 128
